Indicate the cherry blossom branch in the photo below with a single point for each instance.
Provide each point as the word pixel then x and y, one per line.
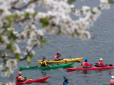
pixel 20 8
pixel 28 53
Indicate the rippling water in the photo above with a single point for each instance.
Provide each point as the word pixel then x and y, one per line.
pixel 100 45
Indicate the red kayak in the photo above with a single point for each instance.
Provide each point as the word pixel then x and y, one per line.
pixel 33 80
pixel 92 68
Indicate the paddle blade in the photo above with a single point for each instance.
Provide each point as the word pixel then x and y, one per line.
pixel 75 65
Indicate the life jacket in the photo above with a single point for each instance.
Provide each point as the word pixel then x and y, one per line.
pixel 43 63
pixel 99 64
pixel 65 83
pixel 19 78
pixel 58 55
pixel 112 81
pixel 55 58
pixel 83 64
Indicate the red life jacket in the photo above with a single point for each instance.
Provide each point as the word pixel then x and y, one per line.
pixel 83 64
pixel 55 57
pixel 19 79
pixel 112 81
pixel 100 63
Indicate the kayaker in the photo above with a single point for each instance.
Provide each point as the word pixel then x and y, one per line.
pixel 56 57
pixel 43 62
pixel 100 63
pixel 112 80
pixel 86 64
pixel 19 78
pixel 58 54
pixel 66 81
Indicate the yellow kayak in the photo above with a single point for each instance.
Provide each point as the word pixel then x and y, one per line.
pixel 62 61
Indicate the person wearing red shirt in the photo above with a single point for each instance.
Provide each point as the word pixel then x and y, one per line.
pixel 19 78
pixel 56 57
pixel 86 64
pixel 100 63
pixel 58 54
pixel 112 80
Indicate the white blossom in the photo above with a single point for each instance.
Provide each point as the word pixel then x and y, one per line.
pixel 104 1
pixel 12 63
pixel 105 6
pixel 85 35
pixel 1 67
pixel 96 14
pixel 40 32
pixel 56 18
pixel 16 48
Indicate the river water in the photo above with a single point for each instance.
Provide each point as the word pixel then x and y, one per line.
pixel 101 45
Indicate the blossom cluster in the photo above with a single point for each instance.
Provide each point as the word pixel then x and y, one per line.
pixel 56 20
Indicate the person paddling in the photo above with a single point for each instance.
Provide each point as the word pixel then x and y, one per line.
pixel 58 54
pixel 100 63
pixel 86 64
pixel 19 78
pixel 56 57
pixel 43 62
pixel 66 81
pixel 112 80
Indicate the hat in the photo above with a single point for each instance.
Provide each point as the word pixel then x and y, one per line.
pixel 19 73
pixel 101 59
pixel 44 58
pixel 86 59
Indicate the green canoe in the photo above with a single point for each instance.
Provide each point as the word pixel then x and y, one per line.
pixel 46 68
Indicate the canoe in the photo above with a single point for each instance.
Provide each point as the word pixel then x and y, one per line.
pixel 63 61
pixel 33 80
pixel 102 84
pixel 92 68
pixel 48 67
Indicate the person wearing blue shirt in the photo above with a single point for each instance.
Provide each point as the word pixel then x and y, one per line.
pixel 66 81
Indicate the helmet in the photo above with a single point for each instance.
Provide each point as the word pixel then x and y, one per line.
pixel 86 59
pixel 112 76
pixel 19 73
pixel 65 79
pixel 44 58
pixel 101 59
pixel 57 53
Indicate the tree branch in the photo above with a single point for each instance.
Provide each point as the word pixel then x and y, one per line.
pixel 29 52
pixel 20 8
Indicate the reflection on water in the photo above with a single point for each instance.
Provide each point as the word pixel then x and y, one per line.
pixel 43 72
pixel 41 83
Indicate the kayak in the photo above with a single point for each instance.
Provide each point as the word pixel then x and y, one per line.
pixel 102 84
pixel 63 61
pixel 92 68
pixel 46 68
pixel 33 80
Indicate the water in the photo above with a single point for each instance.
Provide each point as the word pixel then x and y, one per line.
pixel 100 45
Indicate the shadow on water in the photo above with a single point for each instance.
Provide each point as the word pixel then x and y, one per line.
pixel 40 83
pixel 43 72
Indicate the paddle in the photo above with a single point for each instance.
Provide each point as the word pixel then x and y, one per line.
pixel 29 79
pixel 26 79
